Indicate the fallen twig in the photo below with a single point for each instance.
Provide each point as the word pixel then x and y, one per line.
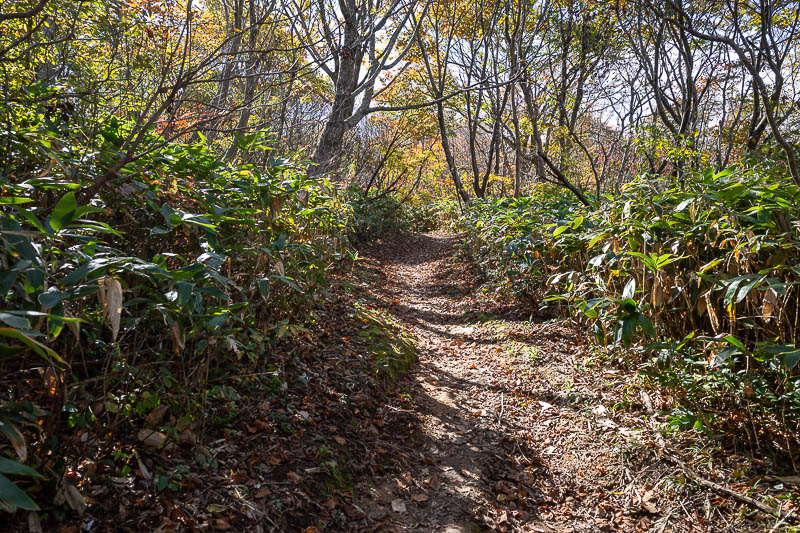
pixel 502 408
pixel 722 489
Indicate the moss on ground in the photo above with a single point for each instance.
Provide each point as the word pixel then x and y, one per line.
pixel 392 346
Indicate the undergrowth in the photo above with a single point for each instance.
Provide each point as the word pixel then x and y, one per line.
pixel 693 281
pixel 181 269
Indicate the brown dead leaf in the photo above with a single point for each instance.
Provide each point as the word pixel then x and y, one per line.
pixel 769 303
pixel 649 502
pixel 156 439
pixel 222 524
pixel 155 416
pixel 330 504
pixel 110 295
pixel 340 440
pixel 74 498
pixel 294 477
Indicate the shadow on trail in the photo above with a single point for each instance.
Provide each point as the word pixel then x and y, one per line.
pixel 465 470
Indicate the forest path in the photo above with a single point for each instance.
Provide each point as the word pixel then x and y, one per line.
pixel 505 427
pixel 471 465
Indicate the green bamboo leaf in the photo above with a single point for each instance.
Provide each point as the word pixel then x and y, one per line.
pixel 263 287
pixel 7 466
pixel 52 298
pixel 15 321
pixel 736 342
pixel 745 289
pixel 628 325
pixel 14 200
pixel 36 346
pixel 732 286
pixel 646 325
pixel 13 495
pixel 63 212
pixel 788 352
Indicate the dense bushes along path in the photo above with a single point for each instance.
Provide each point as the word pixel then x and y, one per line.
pixel 511 425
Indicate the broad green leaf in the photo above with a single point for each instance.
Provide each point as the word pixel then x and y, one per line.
pixel 52 298
pixel 15 437
pixel 288 282
pixel 7 466
pixel 63 212
pixel 684 204
pixel 646 325
pixel 15 321
pixel 721 357
pixel 628 326
pixel 788 352
pixel 733 285
pixel 736 342
pixel 14 200
pixel 36 346
pixel 263 287
pixel 185 290
pixel 745 289
pixel 11 494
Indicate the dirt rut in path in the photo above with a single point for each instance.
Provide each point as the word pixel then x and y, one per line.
pixel 504 427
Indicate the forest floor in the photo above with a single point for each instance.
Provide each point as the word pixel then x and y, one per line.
pixel 514 424
pixel 417 402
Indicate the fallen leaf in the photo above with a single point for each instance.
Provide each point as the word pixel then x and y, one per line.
pixel 263 492
pixel 340 440
pixel 378 514
pixel 294 477
pixel 398 506
pixel 155 416
pixel 74 498
pixel 34 523
pixel 648 503
pixel 156 439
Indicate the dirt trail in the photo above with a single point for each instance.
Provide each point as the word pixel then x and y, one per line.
pixel 504 427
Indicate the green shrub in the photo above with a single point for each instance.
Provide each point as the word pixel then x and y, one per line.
pixel 374 216
pixel 178 266
pixel 696 280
